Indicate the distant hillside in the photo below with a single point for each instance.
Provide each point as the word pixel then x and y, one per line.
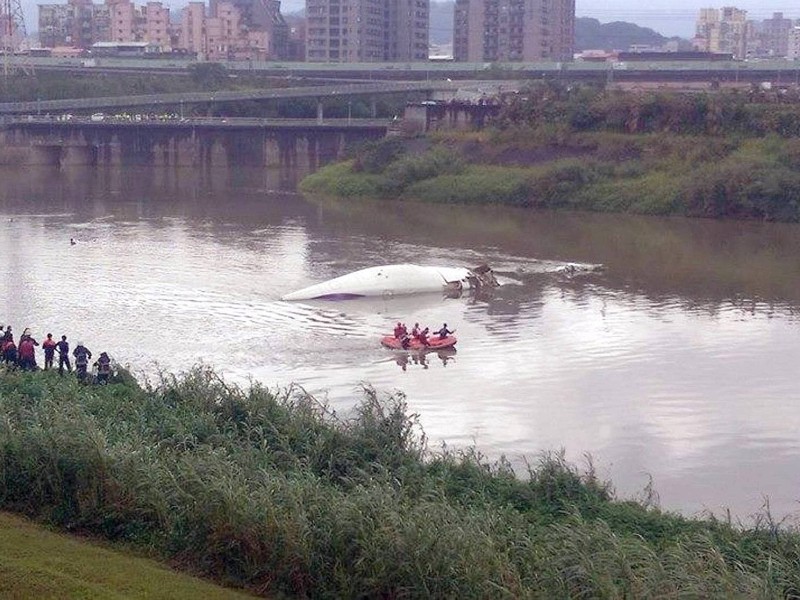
pixel 591 34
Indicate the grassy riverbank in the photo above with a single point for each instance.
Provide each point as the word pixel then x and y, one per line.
pixel 275 494
pixel 669 154
pixel 37 564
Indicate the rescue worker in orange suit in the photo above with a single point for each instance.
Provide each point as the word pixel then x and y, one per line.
pixel 27 353
pixel 49 346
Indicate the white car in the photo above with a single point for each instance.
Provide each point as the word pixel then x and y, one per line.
pixel 97 117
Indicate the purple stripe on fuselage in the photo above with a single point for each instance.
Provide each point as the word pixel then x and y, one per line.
pixel 338 297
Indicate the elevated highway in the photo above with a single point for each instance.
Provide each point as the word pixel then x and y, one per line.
pixel 319 92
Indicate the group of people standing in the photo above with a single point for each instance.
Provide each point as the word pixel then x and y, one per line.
pixel 401 333
pixel 22 355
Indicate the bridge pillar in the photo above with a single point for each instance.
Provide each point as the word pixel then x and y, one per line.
pixel 373 107
pixel 319 110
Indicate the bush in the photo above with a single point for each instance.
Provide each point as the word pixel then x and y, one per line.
pixel 340 180
pixel 374 157
pixel 476 185
pixel 408 170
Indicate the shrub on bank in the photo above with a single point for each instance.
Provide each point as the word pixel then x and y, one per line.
pixel 272 492
pixel 340 180
pixel 478 184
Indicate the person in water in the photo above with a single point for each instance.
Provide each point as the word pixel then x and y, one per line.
pixel 49 346
pixel 82 355
pixel 444 332
pixel 63 355
pixel 103 368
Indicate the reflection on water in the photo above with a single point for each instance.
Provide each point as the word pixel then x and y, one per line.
pixel 677 360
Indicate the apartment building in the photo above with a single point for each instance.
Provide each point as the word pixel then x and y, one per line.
pixel 723 30
pixel 793 45
pixel 513 30
pixel 125 24
pixel 231 29
pixel 157 28
pixel 192 36
pixel 65 24
pixel 775 35
pixel 367 30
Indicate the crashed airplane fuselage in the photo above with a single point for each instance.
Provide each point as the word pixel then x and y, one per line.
pixel 390 280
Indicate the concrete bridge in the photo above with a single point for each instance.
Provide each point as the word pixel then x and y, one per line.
pixel 304 144
pixel 319 92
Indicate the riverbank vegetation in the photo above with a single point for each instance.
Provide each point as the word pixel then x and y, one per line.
pixel 274 493
pixel 724 154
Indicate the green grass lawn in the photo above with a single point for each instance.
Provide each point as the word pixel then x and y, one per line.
pixel 38 564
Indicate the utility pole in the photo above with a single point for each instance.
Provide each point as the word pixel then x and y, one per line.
pixel 12 22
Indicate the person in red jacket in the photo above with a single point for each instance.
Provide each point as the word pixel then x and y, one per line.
pixel 49 346
pixel 27 354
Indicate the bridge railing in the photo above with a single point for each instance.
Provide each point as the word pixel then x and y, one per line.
pixel 176 99
pixel 176 121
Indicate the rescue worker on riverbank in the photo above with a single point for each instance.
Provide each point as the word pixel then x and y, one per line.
pixel 63 355
pixel 10 353
pixel 49 346
pixel 103 368
pixel 82 355
pixel 27 352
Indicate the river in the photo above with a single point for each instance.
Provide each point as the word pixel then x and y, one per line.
pixel 678 361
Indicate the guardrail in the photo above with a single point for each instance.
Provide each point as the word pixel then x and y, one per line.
pixel 176 121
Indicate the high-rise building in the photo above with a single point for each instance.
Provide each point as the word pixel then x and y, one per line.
pixel 775 35
pixel 264 19
pixel 793 49
pixel 156 24
pixel 192 37
pixel 65 24
pixel 514 30
pixel 723 30
pixel 367 30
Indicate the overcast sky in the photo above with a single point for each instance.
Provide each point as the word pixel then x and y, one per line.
pixel 668 17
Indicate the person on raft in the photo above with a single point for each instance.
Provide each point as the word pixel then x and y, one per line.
pixel 423 337
pixel 444 332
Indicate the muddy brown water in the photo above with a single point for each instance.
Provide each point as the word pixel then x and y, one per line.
pixel 678 361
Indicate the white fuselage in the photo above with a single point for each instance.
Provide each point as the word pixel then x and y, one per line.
pixel 386 280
